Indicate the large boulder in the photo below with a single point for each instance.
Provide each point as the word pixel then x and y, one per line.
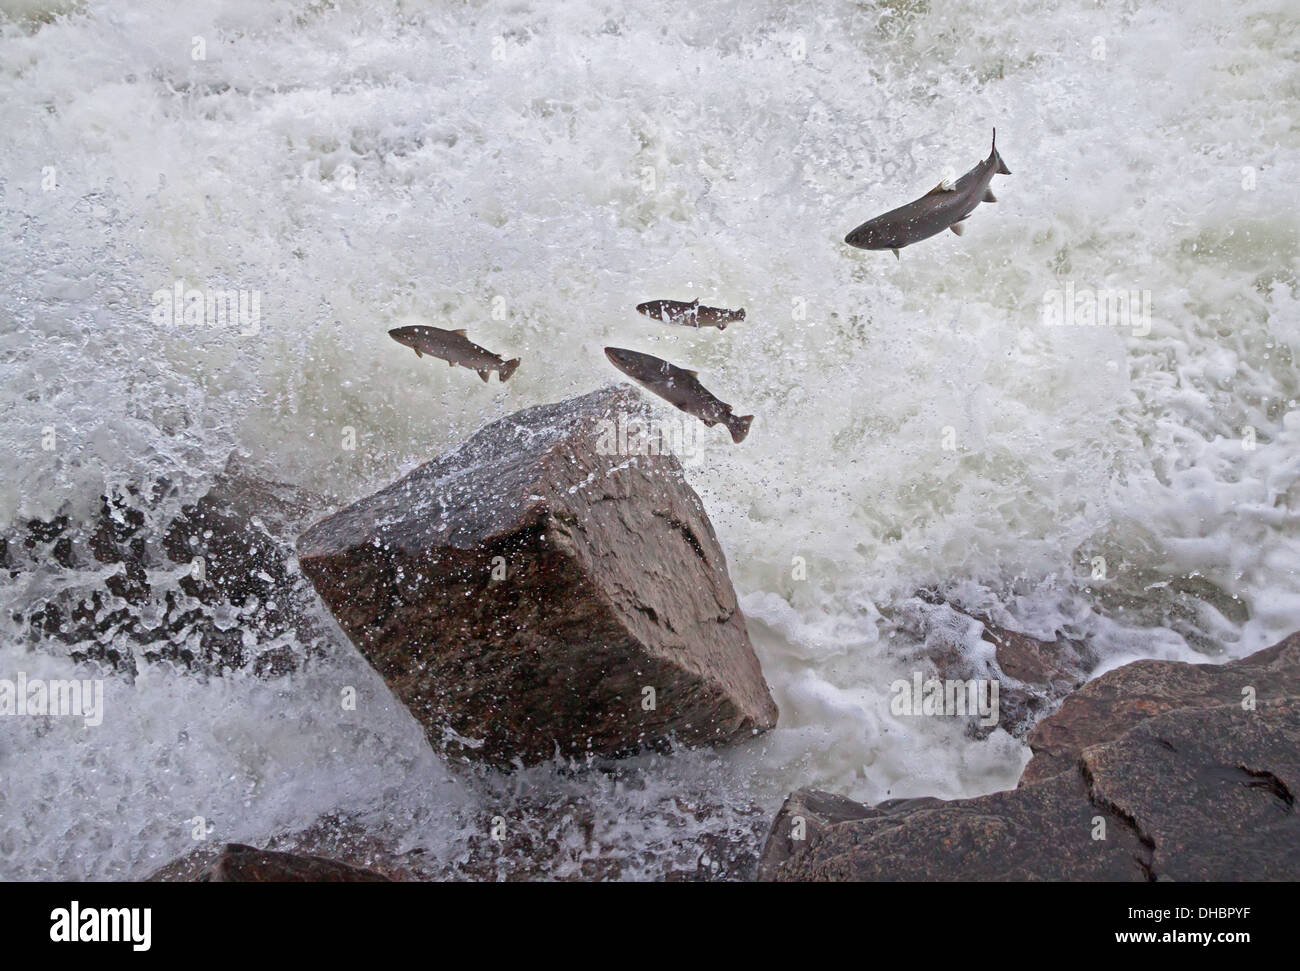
pixel 1108 706
pixel 538 591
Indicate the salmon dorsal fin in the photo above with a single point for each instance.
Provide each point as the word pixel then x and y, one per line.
pixel 945 186
pixel 694 374
pixel 695 302
pixel 461 332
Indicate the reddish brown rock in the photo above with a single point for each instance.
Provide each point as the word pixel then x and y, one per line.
pixel 343 840
pixel 1156 770
pixel 1190 794
pixel 529 595
pixel 524 835
pixel 804 818
pixel 238 863
pixel 1107 707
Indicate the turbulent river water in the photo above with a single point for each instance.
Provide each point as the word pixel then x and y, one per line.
pixel 530 172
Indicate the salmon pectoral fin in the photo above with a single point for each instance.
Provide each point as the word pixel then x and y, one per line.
pixel 897 255
pixel 451 364
pixel 484 374
pixel 417 352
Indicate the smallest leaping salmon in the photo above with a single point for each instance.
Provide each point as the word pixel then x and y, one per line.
pixel 690 314
pixel 680 388
pixel 455 348
pixel 946 206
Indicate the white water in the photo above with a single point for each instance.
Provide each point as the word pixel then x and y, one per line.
pixel 367 164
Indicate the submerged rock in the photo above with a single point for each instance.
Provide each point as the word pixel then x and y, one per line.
pixel 1162 774
pixel 1032 674
pixel 583 838
pixel 538 591
pixel 209 587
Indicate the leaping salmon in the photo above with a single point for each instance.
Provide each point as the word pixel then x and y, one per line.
pixel 946 206
pixel 455 348
pixel 690 314
pixel 680 388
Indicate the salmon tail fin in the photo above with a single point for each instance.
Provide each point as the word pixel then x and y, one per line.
pixel 994 156
pixel 484 374
pixel 507 369
pixel 738 425
pixel 740 314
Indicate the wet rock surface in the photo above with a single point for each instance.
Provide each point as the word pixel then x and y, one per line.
pixel 1119 699
pixel 212 588
pixel 1163 774
pixel 1038 834
pixel 538 591
pixel 561 838
pixel 237 863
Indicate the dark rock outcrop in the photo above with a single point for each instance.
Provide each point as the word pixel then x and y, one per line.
pixel 804 819
pixel 1163 774
pixel 1043 834
pixel 535 593
pixel 224 592
pixel 237 863
pixel 1193 794
pixel 340 840
pixel 522 837
pixel 1107 707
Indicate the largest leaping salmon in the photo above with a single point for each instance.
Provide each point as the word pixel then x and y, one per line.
pixel 946 206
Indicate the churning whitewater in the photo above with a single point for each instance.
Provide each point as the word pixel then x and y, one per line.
pixel 212 214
